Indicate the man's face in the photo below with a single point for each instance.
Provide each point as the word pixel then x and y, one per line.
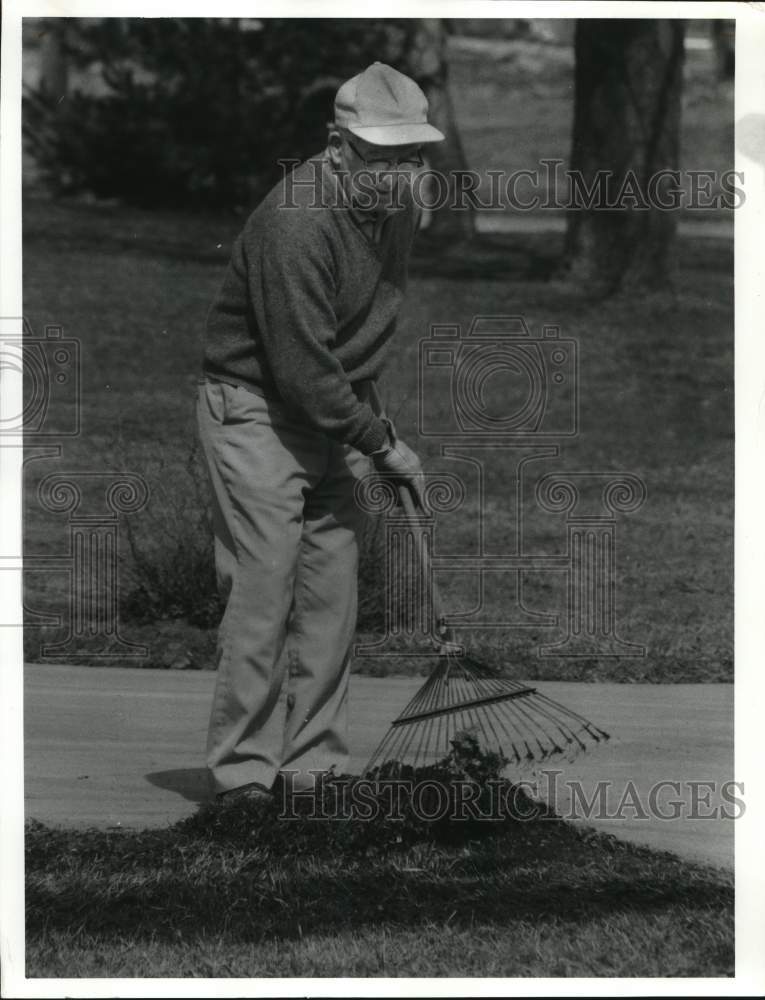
pixel 379 176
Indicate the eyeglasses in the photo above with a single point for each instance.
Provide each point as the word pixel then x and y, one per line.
pixel 409 162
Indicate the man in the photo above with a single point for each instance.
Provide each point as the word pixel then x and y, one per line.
pixel 296 338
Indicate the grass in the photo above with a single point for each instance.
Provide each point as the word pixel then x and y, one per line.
pixel 656 389
pixel 660 372
pixel 656 400
pixel 221 896
pixel 236 891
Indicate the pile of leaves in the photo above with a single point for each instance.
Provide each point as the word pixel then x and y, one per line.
pixel 460 798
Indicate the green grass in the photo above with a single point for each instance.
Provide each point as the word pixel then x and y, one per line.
pixel 247 894
pixel 656 385
pixel 259 897
pixel 656 400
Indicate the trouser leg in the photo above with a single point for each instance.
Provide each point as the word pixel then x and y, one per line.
pixel 260 467
pixel 323 622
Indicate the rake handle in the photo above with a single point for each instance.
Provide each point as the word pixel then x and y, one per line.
pixel 443 633
pixel 410 512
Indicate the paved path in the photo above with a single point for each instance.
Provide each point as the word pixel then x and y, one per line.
pixel 554 221
pixel 123 747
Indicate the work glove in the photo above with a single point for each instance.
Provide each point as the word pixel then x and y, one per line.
pixel 397 459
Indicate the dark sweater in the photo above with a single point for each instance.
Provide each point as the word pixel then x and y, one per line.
pixel 309 304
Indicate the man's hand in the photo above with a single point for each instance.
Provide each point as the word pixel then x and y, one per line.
pixel 397 459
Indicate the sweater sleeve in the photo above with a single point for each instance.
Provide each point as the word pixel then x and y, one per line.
pixel 291 287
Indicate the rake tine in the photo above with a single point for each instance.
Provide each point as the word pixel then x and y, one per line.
pixel 516 711
pixel 507 713
pixel 571 713
pixel 486 737
pixel 428 728
pixel 522 710
pixel 499 716
pixel 563 728
pixel 490 723
pixel 600 735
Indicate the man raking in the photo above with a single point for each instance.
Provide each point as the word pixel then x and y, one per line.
pixel 296 338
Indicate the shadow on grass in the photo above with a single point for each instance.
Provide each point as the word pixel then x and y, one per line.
pixel 338 901
pixel 279 879
pixel 72 225
pixel 536 257
pixel 207 239
pixel 488 257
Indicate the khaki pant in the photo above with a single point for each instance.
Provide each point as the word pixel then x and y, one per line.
pixel 286 553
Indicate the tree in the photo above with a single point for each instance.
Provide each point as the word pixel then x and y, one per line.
pixel 724 42
pixel 426 62
pixel 157 131
pixel 628 82
pixel 54 70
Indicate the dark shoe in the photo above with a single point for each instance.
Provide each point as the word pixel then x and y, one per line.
pixel 252 792
pixel 324 796
pixel 285 787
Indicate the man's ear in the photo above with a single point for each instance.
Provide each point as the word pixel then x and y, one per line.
pixel 334 145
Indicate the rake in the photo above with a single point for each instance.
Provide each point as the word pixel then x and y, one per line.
pixel 464 696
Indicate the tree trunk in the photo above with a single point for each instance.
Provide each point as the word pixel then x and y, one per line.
pixel 724 41
pixel 628 84
pixel 54 74
pixel 427 64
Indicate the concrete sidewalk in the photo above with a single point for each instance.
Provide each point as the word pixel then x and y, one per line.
pixel 121 747
pixel 507 221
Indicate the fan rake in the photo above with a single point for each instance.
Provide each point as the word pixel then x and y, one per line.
pixel 462 695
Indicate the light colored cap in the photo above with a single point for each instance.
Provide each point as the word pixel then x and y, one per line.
pixel 384 107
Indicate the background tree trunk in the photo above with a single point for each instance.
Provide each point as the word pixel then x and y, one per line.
pixel 628 84
pixel 427 63
pixel 54 74
pixel 724 41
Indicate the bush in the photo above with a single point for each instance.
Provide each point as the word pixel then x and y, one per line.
pixel 172 563
pixel 195 112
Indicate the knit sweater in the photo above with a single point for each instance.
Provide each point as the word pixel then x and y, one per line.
pixel 309 303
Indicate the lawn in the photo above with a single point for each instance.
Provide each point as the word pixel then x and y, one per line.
pixel 656 400
pixel 240 892
pixel 256 897
pixel 655 388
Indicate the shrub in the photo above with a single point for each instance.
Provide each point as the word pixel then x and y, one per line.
pixel 195 112
pixel 172 566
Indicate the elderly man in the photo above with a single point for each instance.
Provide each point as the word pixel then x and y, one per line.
pixel 296 338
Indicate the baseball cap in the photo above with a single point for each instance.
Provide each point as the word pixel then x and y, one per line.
pixel 385 108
